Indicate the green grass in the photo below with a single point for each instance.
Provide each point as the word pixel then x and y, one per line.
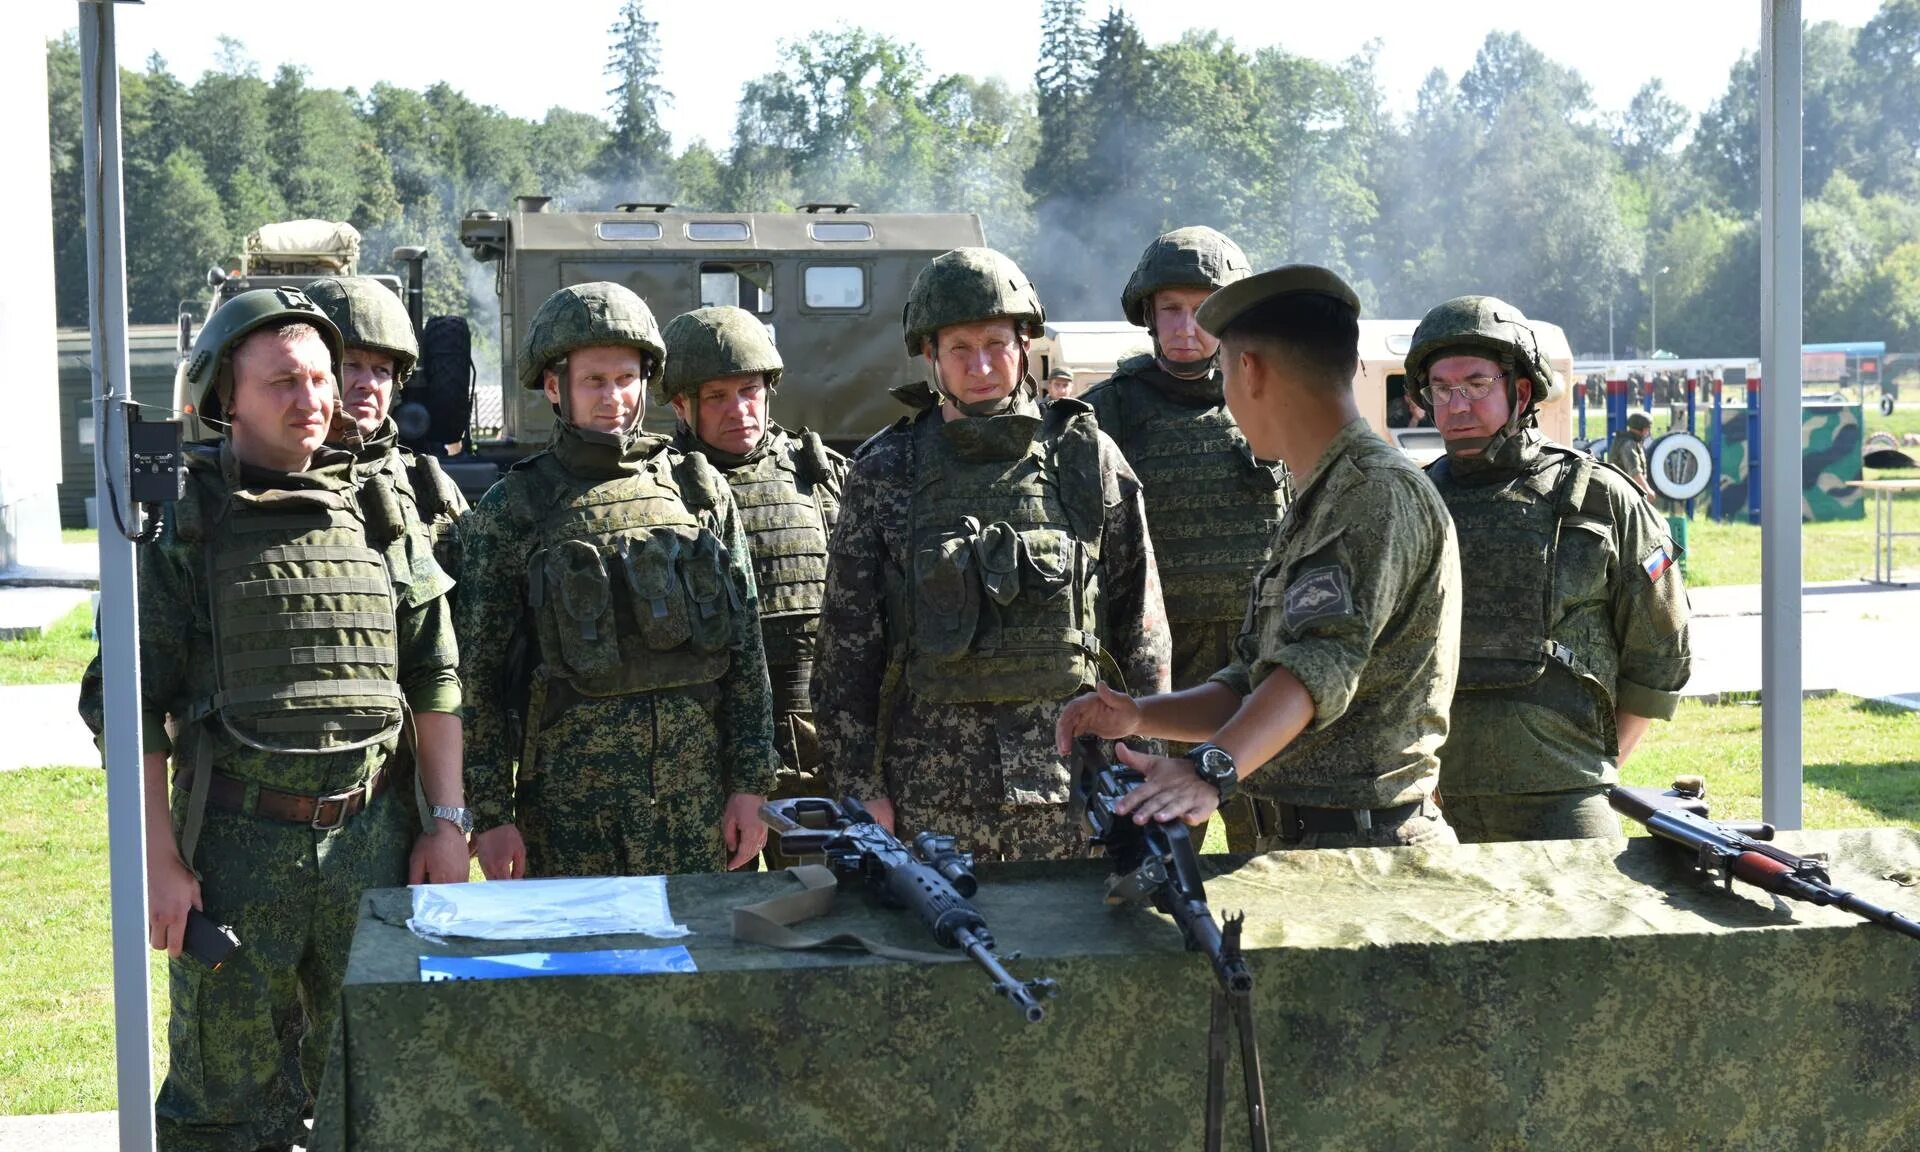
pixel 79 536
pixel 56 986
pixel 59 655
pixel 56 974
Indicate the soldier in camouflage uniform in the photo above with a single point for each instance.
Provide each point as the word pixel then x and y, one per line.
pixel 1628 452
pixel 1333 710
pixel 1573 628
pixel 1211 505
pixel 291 616
pixel 722 371
pixel 990 560
pixel 611 627
pixel 381 353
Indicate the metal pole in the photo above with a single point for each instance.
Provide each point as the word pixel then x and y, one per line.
pixel 119 603
pixel 1780 322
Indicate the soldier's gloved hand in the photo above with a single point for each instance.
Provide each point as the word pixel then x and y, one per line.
pixel 439 857
pixel 1102 712
pixel 172 889
pixel 1173 791
pixel 502 853
pixel 741 831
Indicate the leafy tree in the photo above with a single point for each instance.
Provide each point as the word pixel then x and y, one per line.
pixel 1066 72
pixel 640 148
pixel 176 213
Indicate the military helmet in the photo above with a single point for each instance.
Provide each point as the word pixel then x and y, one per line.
pixel 1185 257
pixel 590 316
pixel 708 343
pixel 1483 324
pixel 1640 421
pixel 369 315
pixel 210 363
pixel 968 285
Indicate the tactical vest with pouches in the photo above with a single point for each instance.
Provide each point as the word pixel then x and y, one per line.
pixel 629 585
pixel 788 500
pixel 302 599
pixel 1510 537
pixel 1211 507
pixel 1004 596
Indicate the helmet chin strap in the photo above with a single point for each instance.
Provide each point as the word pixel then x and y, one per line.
pixel 998 406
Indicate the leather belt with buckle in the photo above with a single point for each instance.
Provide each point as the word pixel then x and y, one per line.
pixel 324 813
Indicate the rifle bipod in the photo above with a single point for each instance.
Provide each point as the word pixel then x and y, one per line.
pixel 1234 999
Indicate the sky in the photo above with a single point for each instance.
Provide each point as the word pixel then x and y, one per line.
pixel 526 66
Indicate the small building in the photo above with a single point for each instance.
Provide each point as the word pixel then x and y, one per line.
pixel 152 354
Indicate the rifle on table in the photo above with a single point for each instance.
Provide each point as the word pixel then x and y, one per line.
pixel 1157 863
pixel 1739 850
pixel 932 878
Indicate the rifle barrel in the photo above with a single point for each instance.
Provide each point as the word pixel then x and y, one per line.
pixel 1003 980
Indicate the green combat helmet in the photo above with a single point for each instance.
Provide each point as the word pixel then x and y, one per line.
pixel 210 364
pixel 709 343
pixel 1183 258
pixel 369 315
pixel 1490 327
pixel 965 286
pixel 594 315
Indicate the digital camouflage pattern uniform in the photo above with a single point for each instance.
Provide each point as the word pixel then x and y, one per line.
pixel 1360 601
pixel 1573 606
pixel 1628 452
pixel 1211 506
pixel 788 492
pixel 317 580
pixel 611 629
pixel 984 570
pixel 369 315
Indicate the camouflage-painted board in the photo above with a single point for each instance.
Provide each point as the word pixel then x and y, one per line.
pixel 1568 995
pixel 1830 440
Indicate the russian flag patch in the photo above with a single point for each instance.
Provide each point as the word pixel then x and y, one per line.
pixel 1656 563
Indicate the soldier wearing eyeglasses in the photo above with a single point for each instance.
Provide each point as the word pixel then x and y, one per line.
pixel 1573 630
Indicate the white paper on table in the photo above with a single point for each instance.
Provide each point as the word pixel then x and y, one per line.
pixel 545 909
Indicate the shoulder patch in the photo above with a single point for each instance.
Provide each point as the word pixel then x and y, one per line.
pixel 1656 562
pixel 1319 593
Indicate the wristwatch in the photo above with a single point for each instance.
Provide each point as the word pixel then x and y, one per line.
pixel 461 818
pixel 1216 768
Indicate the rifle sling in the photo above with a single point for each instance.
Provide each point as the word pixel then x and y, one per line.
pixel 768 921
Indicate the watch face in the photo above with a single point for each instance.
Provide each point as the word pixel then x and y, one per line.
pixel 1215 764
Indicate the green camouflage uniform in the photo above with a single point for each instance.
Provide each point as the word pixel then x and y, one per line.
pixel 1360 601
pixel 1532 747
pixel 611 628
pixel 1628 453
pixel 436 499
pixel 985 772
pixel 247 1043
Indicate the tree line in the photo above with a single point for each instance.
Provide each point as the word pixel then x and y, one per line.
pixel 1505 179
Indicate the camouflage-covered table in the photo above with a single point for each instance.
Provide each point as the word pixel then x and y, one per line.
pixel 1562 995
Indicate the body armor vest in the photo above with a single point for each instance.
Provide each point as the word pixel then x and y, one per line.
pixel 629 586
pixel 303 605
pixel 1510 533
pixel 1005 528
pixel 788 499
pixel 1211 507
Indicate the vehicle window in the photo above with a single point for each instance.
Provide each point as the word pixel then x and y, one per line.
pixel 835 286
pixel 740 284
pixel 718 230
pixel 627 230
pixel 840 230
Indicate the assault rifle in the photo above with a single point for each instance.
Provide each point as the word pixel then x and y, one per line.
pixel 1730 851
pixel 933 878
pixel 1157 863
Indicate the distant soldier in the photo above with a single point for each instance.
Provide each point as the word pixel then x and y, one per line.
pixel 990 562
pixel 292 621
pixel 1573 634
pixel 611 627
pixel 381 354
pixel 1211 505
pixel 1060 383
pixel 722 371
pixel 1335 705
pixel 1628 452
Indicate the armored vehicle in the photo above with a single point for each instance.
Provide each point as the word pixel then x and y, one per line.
pixel 828 281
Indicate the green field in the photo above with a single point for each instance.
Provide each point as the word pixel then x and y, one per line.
pixel 59 655
pixel 56 992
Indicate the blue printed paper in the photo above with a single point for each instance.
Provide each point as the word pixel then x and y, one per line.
pixel 614 961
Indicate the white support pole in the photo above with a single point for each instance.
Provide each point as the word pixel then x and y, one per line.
pixel 1780 287
pixel 119 607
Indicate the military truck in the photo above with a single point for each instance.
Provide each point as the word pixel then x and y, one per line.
pixel 432 410
pixel 828 281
